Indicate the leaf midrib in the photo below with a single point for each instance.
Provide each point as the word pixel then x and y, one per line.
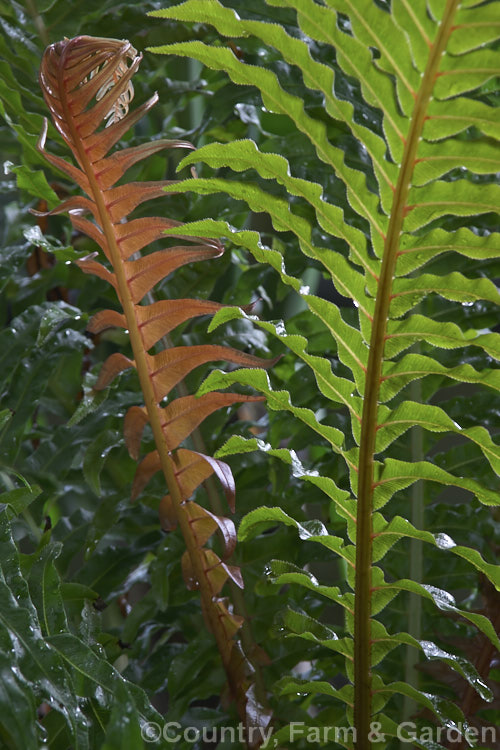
pixel 362 626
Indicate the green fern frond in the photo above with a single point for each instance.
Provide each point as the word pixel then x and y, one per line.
pixel 422 68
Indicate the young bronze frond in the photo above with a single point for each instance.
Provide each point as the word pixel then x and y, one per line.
pixel 87 85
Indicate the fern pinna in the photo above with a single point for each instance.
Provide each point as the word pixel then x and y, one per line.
pixel 425 157
pixel 87 81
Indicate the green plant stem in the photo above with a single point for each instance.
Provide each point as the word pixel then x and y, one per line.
pixel 38 21
pixel 363 586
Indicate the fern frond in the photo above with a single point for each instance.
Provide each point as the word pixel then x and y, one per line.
pixel 87 85
pixel 432 160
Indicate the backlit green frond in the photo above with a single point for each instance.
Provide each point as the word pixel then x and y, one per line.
pixel 276 99
pixel 415 252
